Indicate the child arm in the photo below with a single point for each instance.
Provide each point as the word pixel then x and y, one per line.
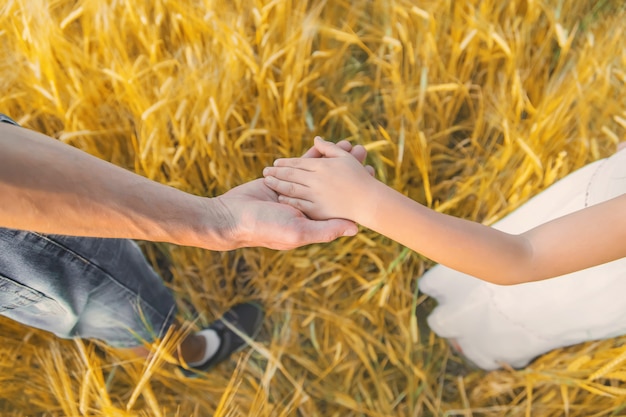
pixel 336 186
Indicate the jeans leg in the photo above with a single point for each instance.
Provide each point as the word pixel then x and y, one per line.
pixel 82 287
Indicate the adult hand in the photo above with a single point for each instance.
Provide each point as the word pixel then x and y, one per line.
pixel 256 218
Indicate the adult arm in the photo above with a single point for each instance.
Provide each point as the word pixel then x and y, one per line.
pixel 336 187
pixel 49 187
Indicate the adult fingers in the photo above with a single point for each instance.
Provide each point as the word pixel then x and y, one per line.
pixel 321 231
pixel 328 149
pixel 329 230
pixel 359 152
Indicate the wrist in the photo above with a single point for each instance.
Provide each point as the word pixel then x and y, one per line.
pixel 209 225
pixel 367 203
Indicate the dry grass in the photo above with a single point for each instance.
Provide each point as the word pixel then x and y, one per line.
pixel 470 107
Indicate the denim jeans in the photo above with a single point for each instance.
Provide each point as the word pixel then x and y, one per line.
pixel 82 287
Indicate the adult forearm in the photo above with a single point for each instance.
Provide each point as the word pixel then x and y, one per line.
pixel 50 187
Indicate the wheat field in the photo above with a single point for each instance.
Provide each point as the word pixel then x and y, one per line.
pixel 470 107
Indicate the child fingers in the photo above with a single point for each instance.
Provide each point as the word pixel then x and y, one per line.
pixel 312 153
pixel 286 188
pixel 301 163
pixel 304 206
pixel 288 174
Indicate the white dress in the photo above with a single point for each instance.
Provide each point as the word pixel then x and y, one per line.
pixel 492 324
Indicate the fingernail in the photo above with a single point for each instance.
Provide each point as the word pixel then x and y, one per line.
pixel 265 171
pixel 350 232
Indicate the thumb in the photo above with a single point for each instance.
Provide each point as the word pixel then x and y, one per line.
pixel 331 229
pixel 328 149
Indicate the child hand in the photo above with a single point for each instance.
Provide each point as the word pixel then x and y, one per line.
pixel 335 186
pixel 358 152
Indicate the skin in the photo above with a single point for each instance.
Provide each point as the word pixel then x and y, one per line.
pixel 49 187
pixel 336 186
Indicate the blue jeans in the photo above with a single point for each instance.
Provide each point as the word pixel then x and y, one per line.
pixel 82 287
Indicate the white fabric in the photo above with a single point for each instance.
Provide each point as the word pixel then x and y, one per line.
pixel 494 324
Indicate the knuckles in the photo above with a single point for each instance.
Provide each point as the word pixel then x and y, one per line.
pixel 291 190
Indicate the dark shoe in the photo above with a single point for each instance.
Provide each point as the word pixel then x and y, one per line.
pixel 247 318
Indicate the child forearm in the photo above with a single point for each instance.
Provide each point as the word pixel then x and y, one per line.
pixel 583 239
pixel 337 186
pixel 467 246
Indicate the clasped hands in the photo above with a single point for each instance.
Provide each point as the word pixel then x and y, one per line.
pixel 300 201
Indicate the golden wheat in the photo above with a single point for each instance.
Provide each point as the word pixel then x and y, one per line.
pixel 454 100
